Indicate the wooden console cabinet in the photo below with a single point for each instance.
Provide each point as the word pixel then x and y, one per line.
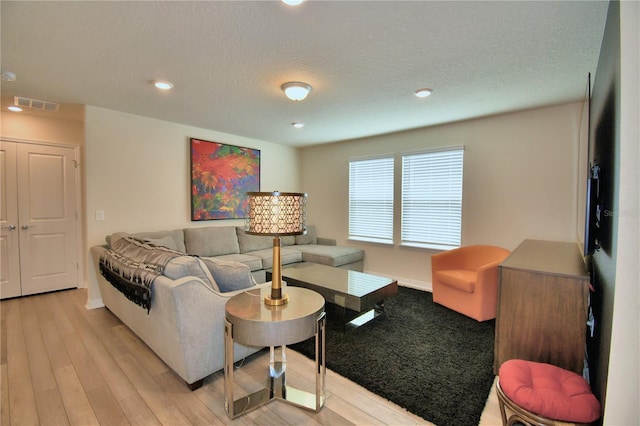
pixel 543 297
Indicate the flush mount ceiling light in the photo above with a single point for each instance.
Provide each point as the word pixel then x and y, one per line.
pixel 163 85
pixel 423 93
pixel 297 124
pixel 295 90
pixel 292 2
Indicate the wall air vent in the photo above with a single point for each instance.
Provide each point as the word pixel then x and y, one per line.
pixel 35 104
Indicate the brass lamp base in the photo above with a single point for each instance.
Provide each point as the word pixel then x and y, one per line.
pixel 277 297
pixel 271 301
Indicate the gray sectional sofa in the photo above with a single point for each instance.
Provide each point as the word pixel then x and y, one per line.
pixel 185 324
pixel 232 243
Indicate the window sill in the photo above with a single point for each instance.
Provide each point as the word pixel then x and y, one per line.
pixel 434 247
pixel 372 241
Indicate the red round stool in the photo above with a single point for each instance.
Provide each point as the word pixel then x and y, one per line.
pixel 543 394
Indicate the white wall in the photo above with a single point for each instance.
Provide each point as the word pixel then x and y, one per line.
pixel 520 179
pixel 138 173
pixel 623 382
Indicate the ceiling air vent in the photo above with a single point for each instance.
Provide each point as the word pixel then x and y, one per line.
pixel 35 104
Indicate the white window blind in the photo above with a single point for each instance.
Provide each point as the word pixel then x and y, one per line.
pixel 371 200
pixel 432 198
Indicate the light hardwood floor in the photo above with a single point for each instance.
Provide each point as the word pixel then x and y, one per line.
pixel 63 364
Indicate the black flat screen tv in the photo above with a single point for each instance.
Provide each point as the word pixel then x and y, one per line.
pixel 600 211
pixel 592 197
pixel 592 211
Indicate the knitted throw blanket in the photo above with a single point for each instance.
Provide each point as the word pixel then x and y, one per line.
pixel 131 265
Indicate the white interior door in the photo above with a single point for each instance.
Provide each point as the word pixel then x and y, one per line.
pixel 47 218
pixel 9 240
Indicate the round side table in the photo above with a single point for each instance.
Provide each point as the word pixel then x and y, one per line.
pixel 249 321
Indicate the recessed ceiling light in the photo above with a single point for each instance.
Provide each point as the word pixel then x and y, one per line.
pixel 423 93
pixel 292 2
pixel 297 124
pixel 14 108
pixel 163 85
pixel 295 90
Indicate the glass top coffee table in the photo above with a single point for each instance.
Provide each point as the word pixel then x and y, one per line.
pixel 357 297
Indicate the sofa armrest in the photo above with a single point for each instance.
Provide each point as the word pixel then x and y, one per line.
pixel 199 319
pixel 185 325
pixel 326 241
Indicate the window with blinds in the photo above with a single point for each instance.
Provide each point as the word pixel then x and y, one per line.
pixel 371 200
pixel 432 199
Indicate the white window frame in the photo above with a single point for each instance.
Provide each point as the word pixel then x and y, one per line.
pixel 431 199
pixel 371 199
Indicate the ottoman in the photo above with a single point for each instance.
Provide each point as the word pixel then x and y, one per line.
pixel 544 394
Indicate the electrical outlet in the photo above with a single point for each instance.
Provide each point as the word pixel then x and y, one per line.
pixel 99 214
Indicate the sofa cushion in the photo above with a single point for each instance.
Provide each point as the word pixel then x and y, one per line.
pixel 211 240
pixel 230 276
pixel 287 255
pixel 287 240
pixel 309 238
pixel 185 266
pixel 330 255
pixel 249 243
pixel 460 279
pixel 165 241
pixel 253 262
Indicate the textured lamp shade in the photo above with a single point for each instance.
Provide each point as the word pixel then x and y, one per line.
pixel 277 214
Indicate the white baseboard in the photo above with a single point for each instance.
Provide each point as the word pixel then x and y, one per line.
pixel 418 285
pixel 94 304
pixel 407 282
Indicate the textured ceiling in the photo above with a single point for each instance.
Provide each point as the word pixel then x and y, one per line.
pixel 364 60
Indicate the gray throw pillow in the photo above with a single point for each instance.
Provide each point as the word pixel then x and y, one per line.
pixel 230 276
pixel 186 266
pixel 167 242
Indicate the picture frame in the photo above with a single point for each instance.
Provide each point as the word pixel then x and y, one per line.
pixel 221 175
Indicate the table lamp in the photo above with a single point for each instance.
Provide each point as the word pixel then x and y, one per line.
pixel 277 214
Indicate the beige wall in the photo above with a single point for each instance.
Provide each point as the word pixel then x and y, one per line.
pixel 137 172
pixel 520 179
pixel 24 126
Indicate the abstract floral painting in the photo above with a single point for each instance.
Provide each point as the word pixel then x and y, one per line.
pixel 221 175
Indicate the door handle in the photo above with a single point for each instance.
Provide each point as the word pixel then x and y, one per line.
pixel 10 227
pixel 27 226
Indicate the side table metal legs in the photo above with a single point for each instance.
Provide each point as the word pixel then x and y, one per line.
pixel 277 387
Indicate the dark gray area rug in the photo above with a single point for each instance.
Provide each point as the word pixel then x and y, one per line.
pixel 434 362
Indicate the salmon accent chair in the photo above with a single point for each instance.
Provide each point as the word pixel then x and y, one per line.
pixel 466 280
